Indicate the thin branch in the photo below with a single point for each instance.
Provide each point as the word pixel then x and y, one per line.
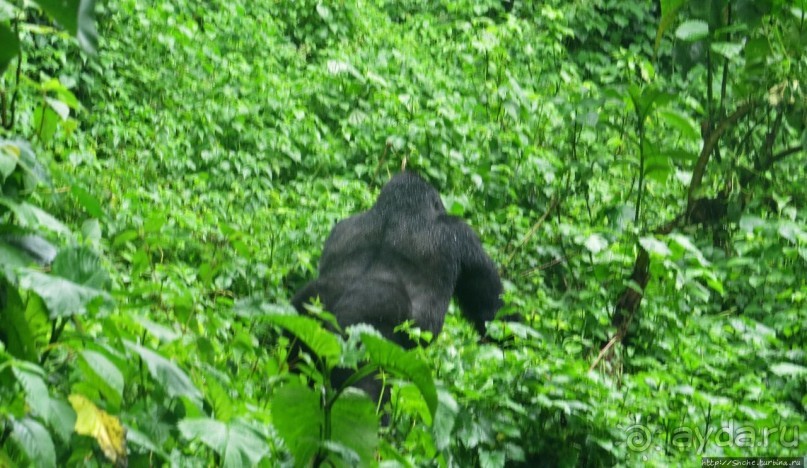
pixel 552 204
pixel 778 157
pixel 709 146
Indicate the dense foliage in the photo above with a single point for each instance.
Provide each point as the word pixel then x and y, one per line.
pixel 169 171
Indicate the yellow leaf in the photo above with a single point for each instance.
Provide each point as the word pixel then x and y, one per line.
pixel 101 426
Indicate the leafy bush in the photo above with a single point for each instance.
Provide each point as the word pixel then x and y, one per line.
pixel 636 171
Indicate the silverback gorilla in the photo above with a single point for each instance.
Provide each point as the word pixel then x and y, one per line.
pixel 403 260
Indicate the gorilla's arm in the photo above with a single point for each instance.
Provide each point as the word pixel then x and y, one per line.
pixel 478 285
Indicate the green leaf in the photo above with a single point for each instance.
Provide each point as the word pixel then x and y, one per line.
pixel 30 217
pixel 135 437
pixel 61 109
pixel 46 121
pixel 82 266
pixel 310 331
pixel 354 424
pixel 23 250
pixel 681 122
pixel 788 369
pixel 298 417
pixel 62 297
pixel 730 50
pixel 35 441
pixel 655 246
pixel 88 201
pixel 686 244
pixel 11 258
pixel 31 379
pixel 444 420
pixel 108 375
pixel 692 30
pixel 25 158
pixel 391 357
pixel 173 379
pixel 595 243
pixel 669 12
pixel 237 444
pixel 8 162
pixel 19 336
pixel 11 46
pixel 161 332
pixel 77 17
pixel 61 418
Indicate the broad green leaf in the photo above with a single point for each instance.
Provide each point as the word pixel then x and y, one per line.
pixel 46 121
pixel 491 458
pixel 30 378
pixel 788 369
pixel 77 17
pixel 173 379
pixel 106 429
pixel 82 266
pixel 595 243
pixel 161 332
pixel 61 418
pixel 749 223
pixel 11 258
pixel 19 336
pixel 322 342
pixel 8 162
pixel 681 122
pixel 30 217
pixel 297 415
pixel 444 420
pixel 88 201
pixel 655 246
pixel 669 11
pixel 34 440
pixel 124 237
pixel 61 109
pixel 730 50
pixel 29 248
pixel 391 357
pixel 687 245
pixel 354 424
pixel 62 297
pixel 256 306
pixel 135 437
pixel 236 443
pixel 109 375
pixel 692 30
pixel 11 46
pixel 25 158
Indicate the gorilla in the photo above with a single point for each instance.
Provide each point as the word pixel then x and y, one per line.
pixel 403 259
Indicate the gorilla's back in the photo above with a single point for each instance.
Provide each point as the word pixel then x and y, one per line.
pixel 374 262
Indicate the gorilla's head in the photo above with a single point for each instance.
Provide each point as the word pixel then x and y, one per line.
pixel 408 193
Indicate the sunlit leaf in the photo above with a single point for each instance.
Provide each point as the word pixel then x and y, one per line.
pixel 297 415
pixel 692 30
pixel 175 381
pixel 11 46
pixel 788 369
pixel 35 441
pixel 108 374
pixel 62 297
pixel 236 443
pixel 406 364
pixel 88 201
pixel 322 342
pixel 77 17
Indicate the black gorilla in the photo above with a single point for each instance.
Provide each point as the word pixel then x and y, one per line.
pixel 403 260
